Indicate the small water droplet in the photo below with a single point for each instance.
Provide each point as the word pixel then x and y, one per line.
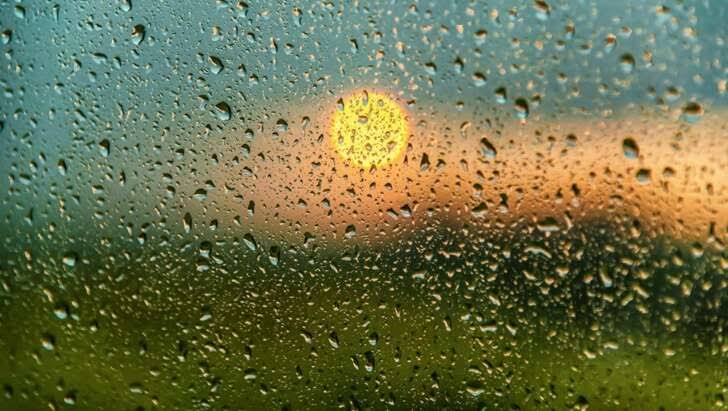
pixel 19 12
pixel 350 231
pixel 487 149
pixel 692 112
pixel 630 148
pixel 249 242
pixel 475 388
pixel 672 94
pixel 424 162
pixel 137 34
pixel 609 43
pixel 62 167
pixel 521 107
pixel 431 68
pixel 69 259
pixel 48 342
pixel 105 147
pixel 6 36
pixel 644 175
pixel 479 79
pixel 250 374
pixel 187 222
pixel 281 126
pixel 626 63
pixel 216 65
pixel 200 194
pixel 274 255
pixel 501 95
pixel 543 10
pixel 223 111
pixel 61 311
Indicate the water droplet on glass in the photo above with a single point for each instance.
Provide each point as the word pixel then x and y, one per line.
pixel 521 107
pixel 487 149
pixel 479 79
pixel 223 111
pixel 249 242
pixel 48 342
pixel 475 388
pixel 137 34
pixel 692 112
pixel 609 43
pixel 104 147
pixel 69 259
pixel 644 175
pixel 501 95
pixel 281 126
pixel 350 231
pixel 61 311
pixel 630 148
pixel 626 63
pixel 543 10
pixel 6 36
pixel 200 194
pixel 216 65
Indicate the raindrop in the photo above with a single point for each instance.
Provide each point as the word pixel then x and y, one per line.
pixel 672 94
pixel 475 388
pixel 61 311
pixel 630 148
pixel 431 68
pixel 281 126
pixel 70 398
pixel 222 111
pixel 126 5
pixel 274 255
pixel 334 340
pixel 200 194
pixel 626 63
pixel 543 10
pixel 137 34
pixel 521 107
pixel 6 36
pixel 104 147
pixel 187 222
pixel 424 162
pixel 69 259
pixel 62 167
pixel 487 149
pixel 692 112
pixel 241 8
pixel 370 361
pixel 48 342
pixel 479 79
pixel 609 43
pixel 644 175
pixel 501 95
pixel 19 12
pixel 216 65
pixel 249 242
pixel 350 231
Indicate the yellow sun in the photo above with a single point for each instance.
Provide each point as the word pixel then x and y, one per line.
pixel 369 129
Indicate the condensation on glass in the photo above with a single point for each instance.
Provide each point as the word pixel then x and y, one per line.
pixel 363 205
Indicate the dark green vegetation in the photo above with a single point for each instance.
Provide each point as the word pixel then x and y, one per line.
pixel 597 316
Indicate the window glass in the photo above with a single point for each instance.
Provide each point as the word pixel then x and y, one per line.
pixel 363 204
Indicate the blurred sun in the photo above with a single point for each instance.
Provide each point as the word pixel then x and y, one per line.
pixel 369 129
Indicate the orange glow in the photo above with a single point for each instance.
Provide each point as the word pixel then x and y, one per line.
pixel 570 170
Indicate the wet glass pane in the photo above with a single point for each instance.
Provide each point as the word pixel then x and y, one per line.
pixel 363 205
